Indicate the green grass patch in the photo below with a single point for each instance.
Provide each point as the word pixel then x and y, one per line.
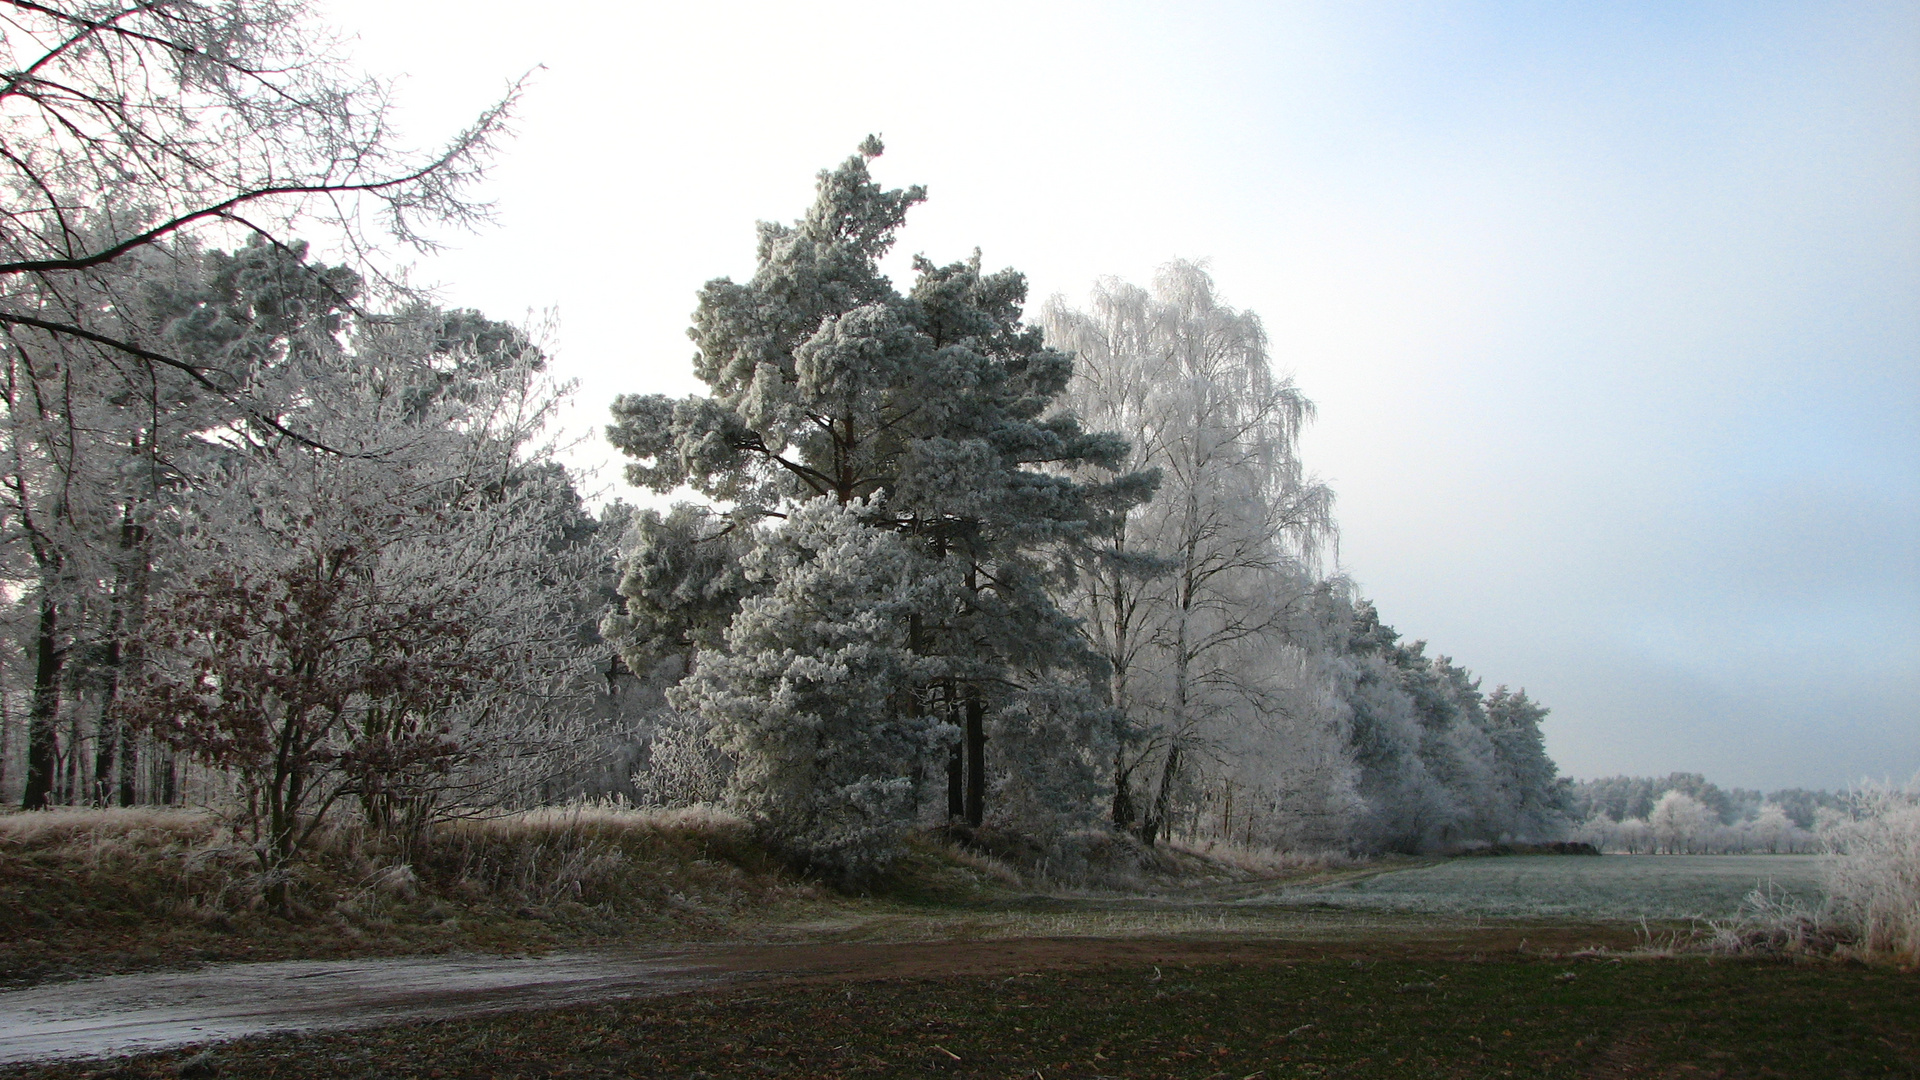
pixel 1659 887
pixel 1389 1019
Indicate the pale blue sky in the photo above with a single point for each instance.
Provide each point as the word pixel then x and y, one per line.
pixel 1612 311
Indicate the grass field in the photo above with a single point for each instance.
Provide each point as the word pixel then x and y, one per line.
pixel 1659 887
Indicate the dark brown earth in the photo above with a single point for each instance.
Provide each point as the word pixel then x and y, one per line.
pixel 156 1010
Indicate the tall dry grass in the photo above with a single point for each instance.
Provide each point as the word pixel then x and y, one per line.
pixel 1263 862
pixel 161 885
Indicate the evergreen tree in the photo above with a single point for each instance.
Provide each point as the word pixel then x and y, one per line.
pixel 933 415
pixel 1527 775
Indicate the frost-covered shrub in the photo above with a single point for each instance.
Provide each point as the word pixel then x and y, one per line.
pixel 683 766
pixel 1873 876
pixel 815 693
pixel 1771 922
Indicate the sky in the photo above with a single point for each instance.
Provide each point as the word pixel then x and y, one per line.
pixel 1611 311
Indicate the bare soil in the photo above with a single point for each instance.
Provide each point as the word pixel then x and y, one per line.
pixel 91 1018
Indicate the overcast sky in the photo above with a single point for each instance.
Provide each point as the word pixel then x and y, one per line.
pixel 1611 311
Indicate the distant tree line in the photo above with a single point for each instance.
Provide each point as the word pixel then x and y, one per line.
pixel 1618 798
pixel 1684 813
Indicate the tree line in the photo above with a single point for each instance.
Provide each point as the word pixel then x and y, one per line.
pixel 951 567
pixel 290 538
pixel 1687 813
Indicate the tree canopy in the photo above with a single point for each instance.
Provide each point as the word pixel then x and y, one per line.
pixel 933 414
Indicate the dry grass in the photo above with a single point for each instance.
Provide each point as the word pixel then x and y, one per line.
pixel 89 890
pixel 69 825
pixel 1773 923
pixel 1264 862
pixel 1871 880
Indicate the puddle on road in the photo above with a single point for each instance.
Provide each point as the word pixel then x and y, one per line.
pixel 131 1013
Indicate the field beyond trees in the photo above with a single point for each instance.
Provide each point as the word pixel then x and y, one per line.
pixel 1658 887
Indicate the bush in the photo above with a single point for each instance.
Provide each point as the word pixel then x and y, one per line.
pixel 1873 876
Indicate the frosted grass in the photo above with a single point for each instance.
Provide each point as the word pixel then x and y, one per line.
pixel 1562 886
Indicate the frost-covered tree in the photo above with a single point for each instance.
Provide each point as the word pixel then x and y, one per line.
pixel 1679 822
pixel 1195 601
pixel 1872 880
pixel 681 579
pixel 937 411
pixel 1439 764
pixel 815 692
pixel 391 621
pixel 133 135
pixel 97 451
pixel 131 125
pixel 1534 805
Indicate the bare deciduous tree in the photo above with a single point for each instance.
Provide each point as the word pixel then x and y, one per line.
pixel 127 129
pixel 1237 527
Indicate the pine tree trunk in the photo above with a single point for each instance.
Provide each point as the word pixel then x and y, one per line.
pixel 957 783
pixel 6 734
pixel 129 761
pixel 108 738
pixel 1123 808
pixel 1120 700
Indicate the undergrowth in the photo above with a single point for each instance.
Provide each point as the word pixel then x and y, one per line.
pixel 84 890
pixel 1872 884
pixel 1104 861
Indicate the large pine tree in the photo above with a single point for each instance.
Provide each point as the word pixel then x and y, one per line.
pixel 933 415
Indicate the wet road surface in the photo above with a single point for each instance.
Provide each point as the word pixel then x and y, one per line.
pixel 129 1013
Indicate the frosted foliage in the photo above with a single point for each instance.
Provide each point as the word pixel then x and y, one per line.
pixel 1052 743
pixel 393 624
pixel 1873 877
pixel 1406 807
pixel 1193 600
pixel 1440 764
pixel 683 767
pixel 680 580
pixel 1770 832
pixel 1678 822
pixel 814 692
pixel 1524 774
pixel 934 416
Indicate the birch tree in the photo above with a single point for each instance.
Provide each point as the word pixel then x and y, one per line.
pixel 1197 591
